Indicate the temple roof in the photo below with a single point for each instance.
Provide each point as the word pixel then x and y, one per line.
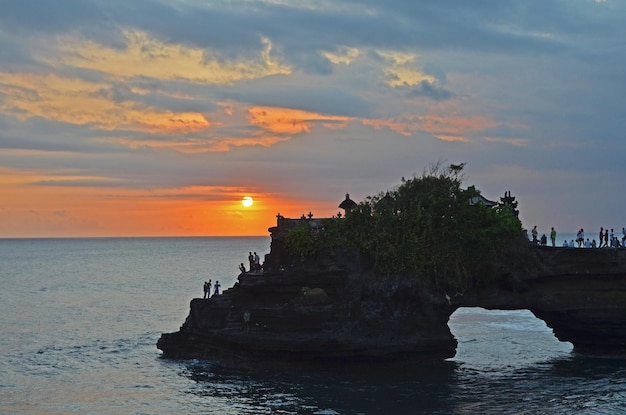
pixel 348 203
pixel 483 200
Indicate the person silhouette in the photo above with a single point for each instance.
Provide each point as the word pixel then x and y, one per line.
pixel 246 321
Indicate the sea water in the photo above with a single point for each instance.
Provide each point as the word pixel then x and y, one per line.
pixel 79 320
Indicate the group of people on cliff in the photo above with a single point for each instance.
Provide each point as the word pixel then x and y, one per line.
pixel 255 266
pixel 543 240
pixel 255 263
pixel 607 239
pixel 207 288
pixel 610 239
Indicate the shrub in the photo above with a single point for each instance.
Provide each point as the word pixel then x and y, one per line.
pixel 426 227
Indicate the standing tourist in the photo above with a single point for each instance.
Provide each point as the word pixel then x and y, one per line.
pixel 257 262
pixel 553 237
pixel 534 233
pixel 601 237
pixel 207 289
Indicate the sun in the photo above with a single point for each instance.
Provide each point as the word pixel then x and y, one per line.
pixel 247 201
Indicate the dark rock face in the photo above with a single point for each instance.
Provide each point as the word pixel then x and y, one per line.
pixel 332 310
pixel 341 319
pixel 581 295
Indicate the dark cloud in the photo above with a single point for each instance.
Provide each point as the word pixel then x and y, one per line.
pixel 312 63
pixel 157 97
pixel 62 16
pixel 428 90
pixel 300 32
pixel 118 93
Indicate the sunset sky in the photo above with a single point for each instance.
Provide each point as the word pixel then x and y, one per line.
pixel 155 118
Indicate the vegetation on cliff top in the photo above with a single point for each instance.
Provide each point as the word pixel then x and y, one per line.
pixel 428 226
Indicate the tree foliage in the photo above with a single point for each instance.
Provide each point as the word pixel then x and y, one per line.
pixel 300 241
pixel 428 226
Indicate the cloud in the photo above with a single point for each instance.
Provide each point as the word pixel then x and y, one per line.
pixel 75 101
pixel 199 145
pixel 516 142
pixel 338 99
pixel 445 128
pixel 289 121
pixel 429 90
pixel 90 182
pixel 145 56
pixel 402 71
pixel 123 98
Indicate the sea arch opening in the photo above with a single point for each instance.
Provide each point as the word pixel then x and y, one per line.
pixel 503 338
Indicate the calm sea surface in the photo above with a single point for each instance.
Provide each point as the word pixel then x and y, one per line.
pixel 79 319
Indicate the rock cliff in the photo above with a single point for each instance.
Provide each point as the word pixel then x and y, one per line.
pixel 580 294
pixel 332 309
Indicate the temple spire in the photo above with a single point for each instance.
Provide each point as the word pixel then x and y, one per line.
pixel 348 204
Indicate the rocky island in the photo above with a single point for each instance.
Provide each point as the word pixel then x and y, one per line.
pixel 379 284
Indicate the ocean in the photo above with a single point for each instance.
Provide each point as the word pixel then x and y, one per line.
pixel 79 320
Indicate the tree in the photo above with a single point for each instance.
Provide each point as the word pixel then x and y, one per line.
pixel 428 227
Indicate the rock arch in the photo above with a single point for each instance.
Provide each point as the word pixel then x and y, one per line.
pixel 579 293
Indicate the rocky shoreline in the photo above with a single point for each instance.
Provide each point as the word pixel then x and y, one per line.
pixel 332 310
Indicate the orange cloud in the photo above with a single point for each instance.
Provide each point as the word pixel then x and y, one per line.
pixel 403 127
pixel 279 123
pixel 451 138
pixel 455 124
pixel 82 102
pixel 197 145
pixel 79 102
pixel 291 121
pixel 516 142
pixel 446 128
pixel 227 143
